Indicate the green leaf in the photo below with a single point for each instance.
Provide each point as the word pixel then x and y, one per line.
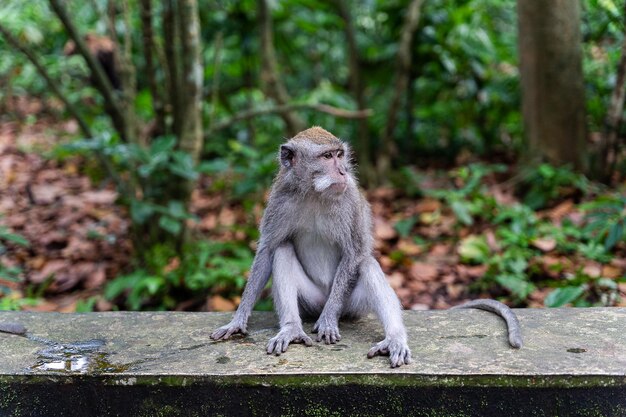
pixel 615 235
pixel 461 211
pixel 140 211
pixel 517 284
pixel 404 226
pixel 170 224
pixel 564 295
pixel 474 249
pixel 12 237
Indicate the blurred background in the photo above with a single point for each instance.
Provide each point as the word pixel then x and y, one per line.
pixel 138 141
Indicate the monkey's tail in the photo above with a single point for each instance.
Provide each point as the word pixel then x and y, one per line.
pixel 513 326
pixel 13 328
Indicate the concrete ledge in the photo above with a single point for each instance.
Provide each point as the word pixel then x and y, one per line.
pixel 164 364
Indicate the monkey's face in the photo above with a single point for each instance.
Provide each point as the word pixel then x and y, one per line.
pixel 324 169
pixel 330 175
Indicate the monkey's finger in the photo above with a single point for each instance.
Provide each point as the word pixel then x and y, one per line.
pixel 395 360
pixel 219 333
pixel 285 345
pixel 307 341
pixel 372 352
pixel 270 346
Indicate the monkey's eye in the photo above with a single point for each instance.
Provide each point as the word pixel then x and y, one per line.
pixel 327 155
pixel 340 154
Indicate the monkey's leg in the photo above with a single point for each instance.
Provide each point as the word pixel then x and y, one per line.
pixel 374 292
pixel 289 283
pixel 502 310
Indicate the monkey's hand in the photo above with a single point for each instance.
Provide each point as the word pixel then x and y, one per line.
pixel 397 349
pixel 327 329
pixel 230 329
pixel 288 334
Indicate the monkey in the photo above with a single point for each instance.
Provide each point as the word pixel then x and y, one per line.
pixel 13 328
pixel 104 50
pixel 316 241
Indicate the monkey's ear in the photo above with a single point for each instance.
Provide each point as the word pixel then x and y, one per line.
pixel 287 156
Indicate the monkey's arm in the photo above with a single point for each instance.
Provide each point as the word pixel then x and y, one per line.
pixel 515 332
pixel 259 275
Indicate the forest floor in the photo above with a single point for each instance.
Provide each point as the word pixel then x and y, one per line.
pixel 78 236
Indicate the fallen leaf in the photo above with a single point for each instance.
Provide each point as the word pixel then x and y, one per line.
pixel 105 197
pixel 409 248
pixel 423 271
pixel 383 229
pixel 610 271
pixel 396 280
pixel 427 205
pixel 219 303
pixel 561 210
pixel 544 244
pixel 45 193
pixel 593 270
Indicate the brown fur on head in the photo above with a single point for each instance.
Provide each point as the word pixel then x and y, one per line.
pixel 318 136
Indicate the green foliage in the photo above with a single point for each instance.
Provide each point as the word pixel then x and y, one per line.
pixel 519 232
pixel 607 219
pixel 158 169
pixel 468 200
pixel 243 170
pixel 547 183
pixel 10 299
pixel 206 267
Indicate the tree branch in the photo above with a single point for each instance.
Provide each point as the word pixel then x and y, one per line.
pixel 101 81
pixel 72 110
pixel 270 80
pixel 148 49
pixel 389 148
pixel 324 108
pixel 356 85
pixel 84 127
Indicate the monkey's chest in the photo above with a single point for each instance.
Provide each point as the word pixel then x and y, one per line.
pixel 319 258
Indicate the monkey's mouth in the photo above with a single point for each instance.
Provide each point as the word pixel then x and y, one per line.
pixel 338 187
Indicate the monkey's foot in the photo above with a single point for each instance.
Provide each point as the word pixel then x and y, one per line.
pixel 397 350
pixel 230 329
pixel 327 330
pixel 288 334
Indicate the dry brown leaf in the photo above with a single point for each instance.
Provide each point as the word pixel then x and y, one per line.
pixel 544 244
pixel 104 197
pixel 610 271
pixel 383 229
pixel 561 210
pixel 423 272
pixel 409 248
pixel 593 270
pixel 396 280
pixel 427 205
pixel 219 303
pixel 49 269
pixel 45 193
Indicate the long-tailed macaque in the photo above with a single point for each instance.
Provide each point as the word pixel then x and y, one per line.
pixel 316 242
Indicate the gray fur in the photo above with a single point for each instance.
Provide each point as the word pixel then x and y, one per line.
pixel 13 328
pixel 316 241
pixel 513 326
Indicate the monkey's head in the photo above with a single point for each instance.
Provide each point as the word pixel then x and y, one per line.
pixel 316 160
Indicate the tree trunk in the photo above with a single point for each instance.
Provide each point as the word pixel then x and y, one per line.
pixel 553 96
pixel 363 151
pixel 270 80
pixel 610 145
pixel 388 146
